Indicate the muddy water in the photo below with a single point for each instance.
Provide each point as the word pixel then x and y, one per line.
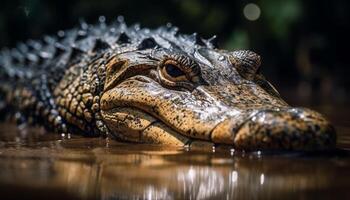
pixel 36 165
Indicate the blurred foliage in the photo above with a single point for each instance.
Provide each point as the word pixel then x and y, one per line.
pixel 288 12
pixel 238 39
pixel 303 43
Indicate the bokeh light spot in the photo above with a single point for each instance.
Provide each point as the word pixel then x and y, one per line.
pixel 251 11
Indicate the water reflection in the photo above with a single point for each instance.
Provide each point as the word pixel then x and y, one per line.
pixel 93 168
pixel 262 179
pixel 200 182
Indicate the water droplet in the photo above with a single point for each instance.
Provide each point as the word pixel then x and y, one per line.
pixel 120 19
pixel 107 142
pixel 83 25
pixel 102 19
pixel 174 30
pixel 232 152
pixel 137 27
pixel 113 30
pixel 221 58
pixel 60 33
pixel 187 147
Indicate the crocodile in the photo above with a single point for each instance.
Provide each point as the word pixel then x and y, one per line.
pixel 158 86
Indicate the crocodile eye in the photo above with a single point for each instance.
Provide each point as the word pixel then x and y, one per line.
pixel 172 72
pixel 178 75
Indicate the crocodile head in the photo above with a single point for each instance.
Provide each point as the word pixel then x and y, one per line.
pixel 177 94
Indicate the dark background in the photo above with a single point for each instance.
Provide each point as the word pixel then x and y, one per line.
pixel 303 44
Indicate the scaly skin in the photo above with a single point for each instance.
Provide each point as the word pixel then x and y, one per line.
pixel 153 86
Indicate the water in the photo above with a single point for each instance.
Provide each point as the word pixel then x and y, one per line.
pixel 35 165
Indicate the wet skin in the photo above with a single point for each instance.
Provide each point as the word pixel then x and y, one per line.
pixel 158 86
pixel 215 101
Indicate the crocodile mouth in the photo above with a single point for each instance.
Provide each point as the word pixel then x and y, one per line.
pixel 263 130
pixel 135 125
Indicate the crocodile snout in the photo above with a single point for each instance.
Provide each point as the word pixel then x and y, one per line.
pixel 289 129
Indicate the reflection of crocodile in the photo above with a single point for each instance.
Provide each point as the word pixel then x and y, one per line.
pixel 69 169
pixel 153 86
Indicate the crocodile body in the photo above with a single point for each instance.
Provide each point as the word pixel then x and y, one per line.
pixel 152 86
